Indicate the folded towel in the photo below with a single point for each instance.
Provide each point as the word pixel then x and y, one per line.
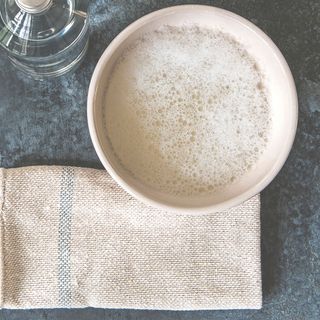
pixel 71 237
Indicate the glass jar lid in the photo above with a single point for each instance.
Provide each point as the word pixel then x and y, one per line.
pixel 41 27
pixel 34 6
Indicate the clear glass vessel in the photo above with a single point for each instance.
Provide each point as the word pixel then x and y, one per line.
pixel 44 38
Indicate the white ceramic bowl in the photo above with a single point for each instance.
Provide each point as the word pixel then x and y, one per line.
pixel 283 99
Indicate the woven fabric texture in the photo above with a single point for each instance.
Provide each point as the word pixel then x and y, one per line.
pixel 71 237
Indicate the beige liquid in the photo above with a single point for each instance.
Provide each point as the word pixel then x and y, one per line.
pixel 186 110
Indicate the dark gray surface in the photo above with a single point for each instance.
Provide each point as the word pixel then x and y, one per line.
pixel 45 123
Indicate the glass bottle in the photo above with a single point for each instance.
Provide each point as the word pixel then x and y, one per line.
pixel 44 38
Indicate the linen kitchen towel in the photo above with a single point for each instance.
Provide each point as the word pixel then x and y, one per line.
pixel 71 237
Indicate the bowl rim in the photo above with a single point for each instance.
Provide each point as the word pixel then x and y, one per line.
pixel 227 204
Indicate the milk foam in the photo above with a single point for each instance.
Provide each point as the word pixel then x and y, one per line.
pixel 186 110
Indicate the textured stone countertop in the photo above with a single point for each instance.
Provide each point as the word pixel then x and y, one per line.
pixel 45 123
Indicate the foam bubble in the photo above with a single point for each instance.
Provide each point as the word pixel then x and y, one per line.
pixel 186 110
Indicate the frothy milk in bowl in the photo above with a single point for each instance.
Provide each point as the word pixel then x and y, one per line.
pixel 186 110
pixel 188 117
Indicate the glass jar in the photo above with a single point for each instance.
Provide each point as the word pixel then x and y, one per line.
pixel 44 38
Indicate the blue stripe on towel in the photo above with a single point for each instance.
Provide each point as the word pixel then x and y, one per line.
pixel 64 242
